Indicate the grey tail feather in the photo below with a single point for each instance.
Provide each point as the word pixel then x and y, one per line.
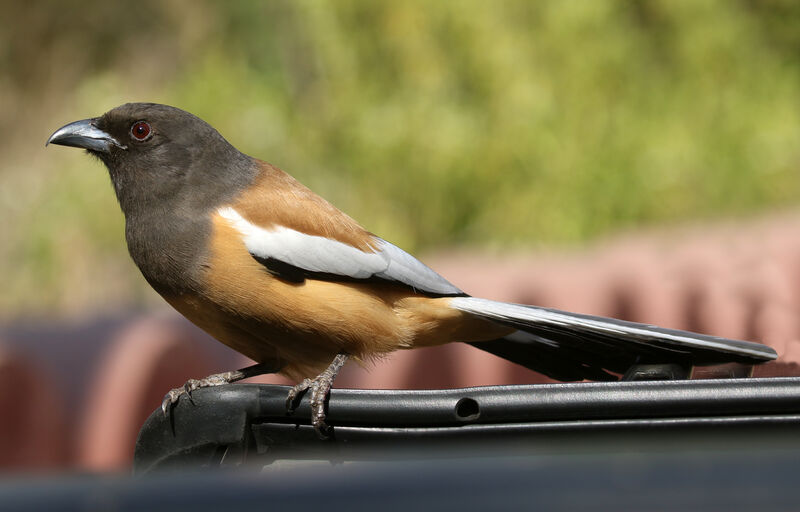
pixel 571 346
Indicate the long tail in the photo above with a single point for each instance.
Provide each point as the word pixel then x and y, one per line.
pixel 571 346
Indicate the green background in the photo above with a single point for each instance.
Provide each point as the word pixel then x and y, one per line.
pixel 509 125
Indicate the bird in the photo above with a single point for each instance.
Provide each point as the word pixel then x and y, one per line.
pixel 271 269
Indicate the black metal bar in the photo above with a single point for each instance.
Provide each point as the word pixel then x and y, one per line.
pixel 232 424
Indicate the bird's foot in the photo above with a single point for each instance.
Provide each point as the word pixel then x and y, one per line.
pixel 218 379
pixel 297 391
pixel 320 388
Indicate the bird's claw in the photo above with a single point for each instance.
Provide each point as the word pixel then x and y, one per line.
pixel 170 399
pixel 296 392
pixel 173 395
pixel 320 388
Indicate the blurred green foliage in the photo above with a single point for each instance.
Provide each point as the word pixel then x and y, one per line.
pixel 463 122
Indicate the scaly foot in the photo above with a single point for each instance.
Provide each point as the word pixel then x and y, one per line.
pixel 218 379
pixel 320 391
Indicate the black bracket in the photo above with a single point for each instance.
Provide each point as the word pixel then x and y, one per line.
pixel 240 424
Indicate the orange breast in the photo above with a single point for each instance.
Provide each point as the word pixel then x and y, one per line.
pixel 304 325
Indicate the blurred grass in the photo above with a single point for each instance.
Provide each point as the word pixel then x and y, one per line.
pixel 507 124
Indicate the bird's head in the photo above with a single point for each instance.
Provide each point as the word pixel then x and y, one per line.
pixel 158 151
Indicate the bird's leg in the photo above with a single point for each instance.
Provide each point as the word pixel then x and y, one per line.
pixel 171 398
pixel 320 390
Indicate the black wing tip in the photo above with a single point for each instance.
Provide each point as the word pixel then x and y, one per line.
pixel 735 350
pixel 767 353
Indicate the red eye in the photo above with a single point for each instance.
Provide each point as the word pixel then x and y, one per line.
pixel 140 130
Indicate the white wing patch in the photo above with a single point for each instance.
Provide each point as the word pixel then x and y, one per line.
pixel 321 254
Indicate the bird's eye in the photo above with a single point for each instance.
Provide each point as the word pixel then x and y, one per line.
pixel 141 130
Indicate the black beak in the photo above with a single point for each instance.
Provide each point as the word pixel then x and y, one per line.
pixel 84 134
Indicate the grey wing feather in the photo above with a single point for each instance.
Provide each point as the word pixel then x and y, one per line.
pixel 406 269
pixel 321 256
